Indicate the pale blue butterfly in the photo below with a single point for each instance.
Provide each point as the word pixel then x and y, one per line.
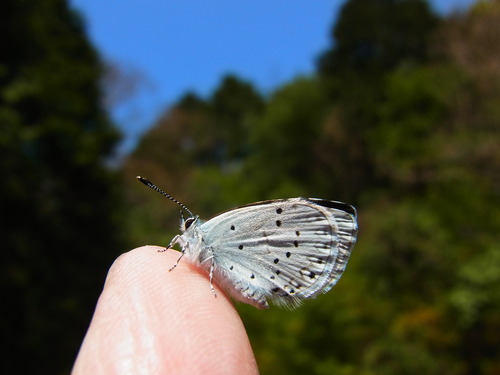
pixel 285 249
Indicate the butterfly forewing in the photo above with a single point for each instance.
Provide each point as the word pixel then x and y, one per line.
pixel 287 249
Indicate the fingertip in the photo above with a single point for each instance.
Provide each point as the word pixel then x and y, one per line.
pixel 186 287
pixel 170 319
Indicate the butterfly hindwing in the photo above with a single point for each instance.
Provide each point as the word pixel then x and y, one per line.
pixel 288 249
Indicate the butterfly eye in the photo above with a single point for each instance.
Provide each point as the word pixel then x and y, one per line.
pixel 188 223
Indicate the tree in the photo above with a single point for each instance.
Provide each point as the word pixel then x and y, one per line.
pixel 283 139
pixel 59 201
pixel 233 104
pixel 371 38
pixel 192 151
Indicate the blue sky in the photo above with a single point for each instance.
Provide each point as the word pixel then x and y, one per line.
pixel 175 46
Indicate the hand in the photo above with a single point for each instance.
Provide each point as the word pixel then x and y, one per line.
pixel 151 321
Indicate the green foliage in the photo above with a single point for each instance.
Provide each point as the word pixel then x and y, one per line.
pixel 478 286
pixel 373 37
pixel 283 140
pixel 58 200
pixel 407 139
pixel 232 105
pixel 370 40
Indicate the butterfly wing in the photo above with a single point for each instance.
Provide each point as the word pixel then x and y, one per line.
pixel 287 250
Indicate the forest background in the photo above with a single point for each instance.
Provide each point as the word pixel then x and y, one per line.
pixel 400 119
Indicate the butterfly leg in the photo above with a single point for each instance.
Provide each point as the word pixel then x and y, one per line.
pixel 170 245
pixel 176 263
pixel 212 276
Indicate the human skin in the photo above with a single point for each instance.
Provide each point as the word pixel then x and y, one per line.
pixel 152 321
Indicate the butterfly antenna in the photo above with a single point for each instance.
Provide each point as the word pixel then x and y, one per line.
pixel 148 183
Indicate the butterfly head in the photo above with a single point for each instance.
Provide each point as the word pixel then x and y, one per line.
pixel 187 223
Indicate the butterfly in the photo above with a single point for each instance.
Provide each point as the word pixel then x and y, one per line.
pixel 287 250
